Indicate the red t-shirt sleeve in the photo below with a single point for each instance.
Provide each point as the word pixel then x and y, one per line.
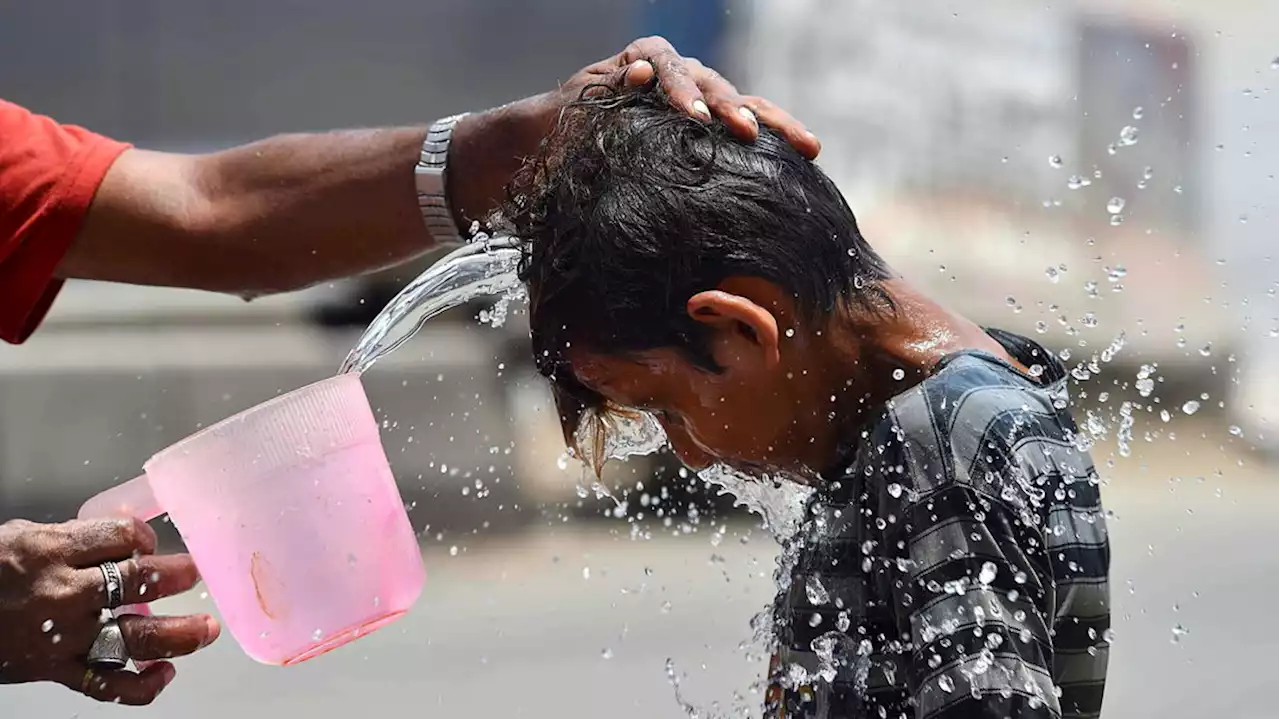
pixel 49 173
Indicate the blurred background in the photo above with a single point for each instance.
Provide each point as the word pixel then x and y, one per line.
pixel 1099 176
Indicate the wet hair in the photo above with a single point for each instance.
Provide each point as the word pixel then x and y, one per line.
pixel 631 207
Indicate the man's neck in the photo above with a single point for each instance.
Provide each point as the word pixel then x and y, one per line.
pixel 865 358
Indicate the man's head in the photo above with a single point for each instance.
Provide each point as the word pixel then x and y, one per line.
pixel 675 269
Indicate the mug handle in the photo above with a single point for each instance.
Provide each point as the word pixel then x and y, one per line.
pixel 130 499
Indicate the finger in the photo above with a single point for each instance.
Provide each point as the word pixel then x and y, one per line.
pixel 723 100
pixel 792 129
pixel 155 576
pixel 672 71
pixel 124 687
pixel 143 579
pixel 90 542
pixel 732 111
pixel 639 73
pixel 149 638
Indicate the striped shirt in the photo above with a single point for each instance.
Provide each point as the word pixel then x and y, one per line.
pixel 955 564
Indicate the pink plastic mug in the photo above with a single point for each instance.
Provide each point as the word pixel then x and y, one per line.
pixel 293 517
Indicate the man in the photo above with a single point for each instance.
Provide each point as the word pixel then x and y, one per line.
pixel 276 215
pixel 953 558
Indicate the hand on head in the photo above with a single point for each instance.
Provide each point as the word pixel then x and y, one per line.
pixel 52 596
pixel 697 89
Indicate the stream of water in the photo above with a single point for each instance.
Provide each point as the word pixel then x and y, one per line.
pixel 484 267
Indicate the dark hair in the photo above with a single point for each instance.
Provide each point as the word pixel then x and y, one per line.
pixel 631 207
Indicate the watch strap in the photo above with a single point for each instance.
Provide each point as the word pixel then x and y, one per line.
pixel 430 179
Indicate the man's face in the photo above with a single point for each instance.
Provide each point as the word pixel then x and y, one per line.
pixel 755 412
pixel 727 417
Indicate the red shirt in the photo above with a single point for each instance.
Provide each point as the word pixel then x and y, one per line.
pixel 48 175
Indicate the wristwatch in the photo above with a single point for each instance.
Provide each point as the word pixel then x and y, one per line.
pixel 429 177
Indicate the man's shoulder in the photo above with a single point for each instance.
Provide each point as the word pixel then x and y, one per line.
pixel 977 421
pixel 973 394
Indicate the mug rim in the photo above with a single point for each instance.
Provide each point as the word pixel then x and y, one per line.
pixel 250 411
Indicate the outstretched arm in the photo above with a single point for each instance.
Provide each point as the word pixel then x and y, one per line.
pixel 294 210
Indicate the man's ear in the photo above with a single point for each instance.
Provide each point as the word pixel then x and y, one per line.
pixel 743 330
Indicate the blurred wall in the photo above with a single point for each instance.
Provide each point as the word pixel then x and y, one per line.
pixel 1077 170
pixel 209 73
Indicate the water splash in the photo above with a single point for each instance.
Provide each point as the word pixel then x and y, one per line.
pixel 779 501
pixel 484 267
pixel 617 435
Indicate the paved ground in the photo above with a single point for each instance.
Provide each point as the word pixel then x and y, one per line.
pixel 510 627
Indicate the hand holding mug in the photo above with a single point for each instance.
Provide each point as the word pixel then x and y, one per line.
pixel 55 582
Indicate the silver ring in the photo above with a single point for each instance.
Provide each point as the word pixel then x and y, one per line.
pixel 108 651
pixel 113 582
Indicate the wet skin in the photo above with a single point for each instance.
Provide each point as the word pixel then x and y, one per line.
pixel 788 393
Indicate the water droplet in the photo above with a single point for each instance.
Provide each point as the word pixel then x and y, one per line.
pixel 1148 173
pixel 1235 431
pixel 945 684
pixel 1053 273
pixel 898 374
pixel 1179 632
pixel 1075 182
pixel 56 638
pixel 790 332
pixel 1137 113
pixel 816 593
pixel 815 619
pixel 1115 205
pixel 1020 577
pixel 1165 416
pixel 1275 63
pixel 666 607
pixel 317 634
pixel 1117 220
pixel 1055 161
pixel 47 626
pixel 1244 219
pixel 1207 349
pixel 987 574
pixel 606 653
pixel 453 551
pixel 1190 406
pixel 1128 135
pixel 895 490
pixel 586 572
